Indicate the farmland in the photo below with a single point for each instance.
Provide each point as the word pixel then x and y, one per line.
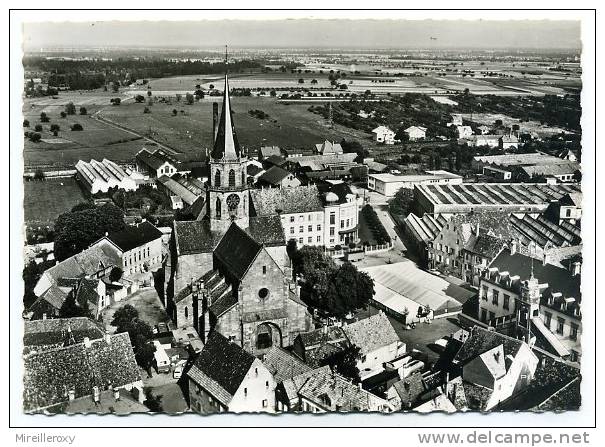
pixel 288 125
pixel 45 200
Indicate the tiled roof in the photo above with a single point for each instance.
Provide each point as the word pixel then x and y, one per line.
pixel 293 385
pixel 267 230
pixel 53 333
pixel 237 250
pixel 551 169
pixel 409 389
pixel 371 333
pixel 195 237
pixel 333 392
pixel 132 236
pixel 323 343
pixel 283 365
pixel 481 340
pixel 55 296
pixel 298 199
pixel 225 364
pixel 86 262
pixel 223 304
pixel 274 175
pixel 152 159
pixel 87 291
pixel 50 375
pixel 476 396
pixel 342 190
pixel 487 246
pixel 541 231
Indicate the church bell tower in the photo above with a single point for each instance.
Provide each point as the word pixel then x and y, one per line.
pixel 228 195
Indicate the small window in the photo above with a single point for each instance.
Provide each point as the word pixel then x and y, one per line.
pixel 264 269
pixel 256 372
pixel 266 384
pixel 245 392
pixel 186 312
pixel 265 403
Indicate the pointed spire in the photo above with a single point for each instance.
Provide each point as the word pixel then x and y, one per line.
pixel 226 145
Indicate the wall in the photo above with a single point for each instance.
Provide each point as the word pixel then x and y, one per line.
pixel 292 224
pixel 149 254
pixel 381 355
pixel 486 302
pixel 257 391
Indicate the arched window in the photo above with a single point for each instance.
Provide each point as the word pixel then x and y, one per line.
pixel 244 177
pixel 218 207
pixel 186 312
pixel 217 178
pixel 231 177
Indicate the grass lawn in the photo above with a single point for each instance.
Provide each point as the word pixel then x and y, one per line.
pixel 45 200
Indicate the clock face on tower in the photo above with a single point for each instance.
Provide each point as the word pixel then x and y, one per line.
pixel 232 201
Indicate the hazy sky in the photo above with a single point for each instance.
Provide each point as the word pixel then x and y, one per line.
pixel 308 33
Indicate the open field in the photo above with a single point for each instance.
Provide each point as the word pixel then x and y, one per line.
pixel 97 140
pixel 45 200
pixel 289 125
pixel 526 126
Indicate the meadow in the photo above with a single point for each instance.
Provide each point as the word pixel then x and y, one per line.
pixel 45 200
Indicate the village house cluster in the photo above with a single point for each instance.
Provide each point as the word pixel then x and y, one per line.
pixel 490 304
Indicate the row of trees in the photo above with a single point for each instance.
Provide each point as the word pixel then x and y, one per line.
pixel 379 233
pixel 335 290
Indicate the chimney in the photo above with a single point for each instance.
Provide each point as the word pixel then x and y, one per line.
pixel 477 230
pixel 359 386
pixel 72 395
pixel 96 394
pixel 116 394
pixel 44 316
pixel 544 257
pixel 87 342
pixel 576 268
pixel 214 121
pixel 108 338
pixel 513 247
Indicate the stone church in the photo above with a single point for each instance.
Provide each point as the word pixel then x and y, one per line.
pixel 228 270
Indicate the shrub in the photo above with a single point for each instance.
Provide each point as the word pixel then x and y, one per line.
pixel 83 111
pixel 55 128
pixel 77 127
pixel 25 123
pixel 35 137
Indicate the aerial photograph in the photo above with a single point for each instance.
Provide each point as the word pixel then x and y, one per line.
pixel 301 216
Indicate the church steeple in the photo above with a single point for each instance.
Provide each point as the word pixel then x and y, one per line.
pixel 226 146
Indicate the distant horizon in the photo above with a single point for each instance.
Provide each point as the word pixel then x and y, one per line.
pixel 307 34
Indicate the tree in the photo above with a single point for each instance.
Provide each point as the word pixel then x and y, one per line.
pixel 115 274
pixel 83 111
pixel 82 206
pixel 316 269
pixel 77 127
pixel 115 101
pixel 344 362
pixel 72 309
pixel 146 110
pixel 273 93
pixel 70 109
pixel 211 86
pixel 199 94
pixel 39 174
pixel 348 290
pixel 141 98
pixel 189 98
pixel 55 128
pixel 115 87
pixel 38 128
pixel 63 114
pixel 75 231
pixel 175 112
pixel 149 93
pixel 25 123
pixel 126 319
pixel 44 118
pixel 35 137
pixel 124 315
pixel 301 81
pixel 313 81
